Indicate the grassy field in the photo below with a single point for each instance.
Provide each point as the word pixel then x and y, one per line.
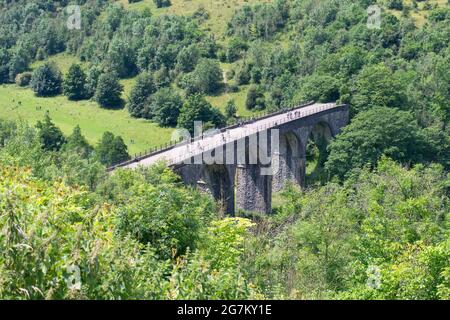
pixel 21 103
pixel 220 11
pixel 62 60
pixel 138 134
pixel 419 15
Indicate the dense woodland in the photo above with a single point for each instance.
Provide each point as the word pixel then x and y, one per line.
pixel 372 225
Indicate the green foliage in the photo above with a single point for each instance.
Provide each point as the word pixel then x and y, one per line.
pixel 187 58
pixel 92 81
pixel 143 88
pixel 243 75
pixel 23 79
pixel 206 78
pixel 21 146
pixel 196 108
pixel 320 88
pixel 166 216
pixel 416 273
pixel 347 61
pixel 109 91
pixel 439 14
pixel 167 41
pixel 164 107
pixel 46 80
pixel 74 85
pixel 373 133
pixel 77 142
pixel 121 58
pixel 4 68
pixel 225 242
pixel 255 98
pixel 111 149
pixel 51 137
pixel 429 90
pixel 236 47
pixel 162 3
pixel 213 272
pixel 194 279
pixel 162 78
pixel 380 235
pixel 7 129
pixel 80 249
pixel 61 246
pixel 230 109
pixel 259 21
pixel 165 243
pixel 395 4
pixel 376 85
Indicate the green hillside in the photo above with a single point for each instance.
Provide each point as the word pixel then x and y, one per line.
pixel 365 218
pixel 94 120
pixel 143 133
pixel 220 11
pixel 138 134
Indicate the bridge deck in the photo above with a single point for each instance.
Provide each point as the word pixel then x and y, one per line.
pixel 185 151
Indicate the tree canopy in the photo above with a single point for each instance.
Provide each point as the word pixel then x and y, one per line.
pixel 109 91
pixel 196 108
pixel 373 133
pixel 46 80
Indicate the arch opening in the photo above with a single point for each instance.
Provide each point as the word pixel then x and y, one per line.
pixel 219 182
pixel 317 154
pixel 290 162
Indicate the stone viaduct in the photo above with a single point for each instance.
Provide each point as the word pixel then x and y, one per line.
pixel 241 165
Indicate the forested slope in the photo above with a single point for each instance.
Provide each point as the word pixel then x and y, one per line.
pixel 271 54
pixel 372 223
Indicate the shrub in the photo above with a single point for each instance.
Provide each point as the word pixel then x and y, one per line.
pixel 51 136
pixel 207 76
pixel 164 216
pixel 395 4
pixel 233 88
pixel 109 91
pixel 111 149
pixel 143 88
pixel 243 74
pixel 255 98
pixel 373 133
pixel 196 108
pixel 162 3
pixel 235 48
pixel 74 85
pixel 23 79
pixel 93 75
pixel 56 245
pixel 46 80
pixel 321 88
pixel 187 58
pixel 164 107
pixel 230 109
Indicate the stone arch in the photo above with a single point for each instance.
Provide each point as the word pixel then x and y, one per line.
pixel 291 161
pixel 219 181
pixel 318 138
pixel 321 130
